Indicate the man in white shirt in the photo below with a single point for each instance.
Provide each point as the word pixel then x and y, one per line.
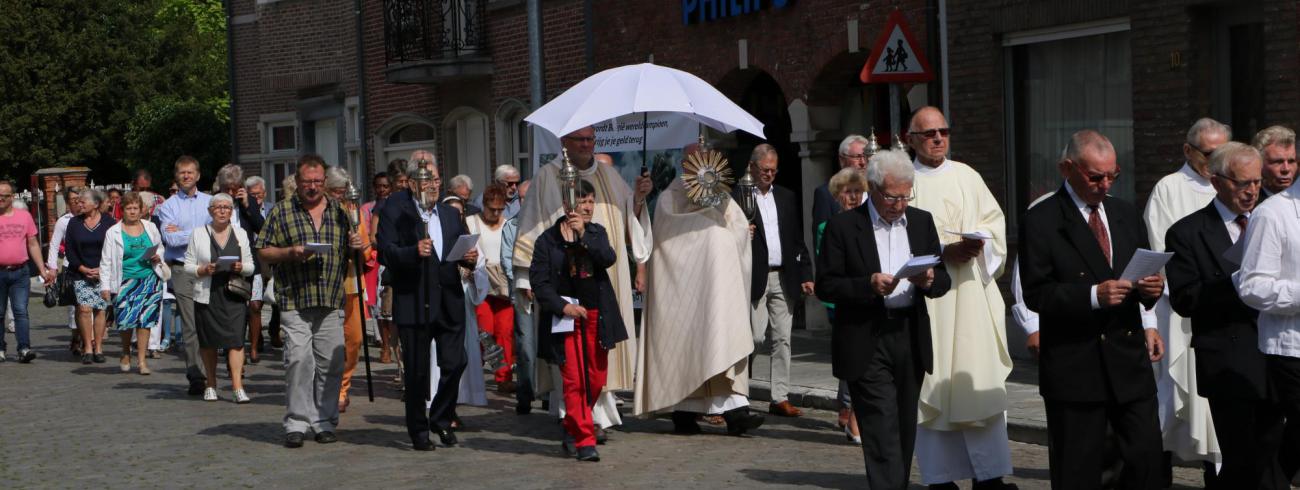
pixel 1277 146
pixel 1269 281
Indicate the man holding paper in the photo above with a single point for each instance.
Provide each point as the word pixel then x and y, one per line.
pixel 416 240
pixel 880 337
pixel 1094 354
pixel 963 427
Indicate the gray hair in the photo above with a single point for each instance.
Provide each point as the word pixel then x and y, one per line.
pixel 889 163
pixel 411 168
pixel 415 156
pixel 844 178
pixel 95 195
pixel 1086 139
pixel 230 175
pixel 1204 125
pixel 290 185
pixel 504 171
pixel 254 181
pixel 1273 135
pixel 336 177
pixel 1232 151
pixel 760 152
pixel 849 140
pixel 459 181
pixel 221 197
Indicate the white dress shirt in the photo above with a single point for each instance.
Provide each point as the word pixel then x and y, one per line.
pixel 1269 278
pixel 894 250
pixel 433 225
pixel 1087 213
pixel 771 228
pixel 1229 220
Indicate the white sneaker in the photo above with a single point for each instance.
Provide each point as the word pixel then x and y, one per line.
pixel 209 394
pixel 241 397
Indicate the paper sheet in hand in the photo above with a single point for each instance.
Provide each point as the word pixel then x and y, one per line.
pixel 917 265
pixel 150 252
pixel 226 262
pixel 563 323
pixel 320 248
pixel 463 245
pixel 973 235
pixel 1145 263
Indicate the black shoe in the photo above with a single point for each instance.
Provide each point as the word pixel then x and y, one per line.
pixel 546 405
pixel 326 437
pixel 25 356
pixel 741 420
pixel 684 423
pixel 100 359
pixel 196 387
pixel 944 486
pixel 293 440
pixel 567 446
pixel 447 437
pixel 87 359
pixel 991 484
pixel 523 408
pixel 421 442
pixel 588 453
pixel 601 436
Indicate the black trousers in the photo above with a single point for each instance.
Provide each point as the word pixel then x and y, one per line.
pixel 884 400
pixel 1077 443
pixel 452 360
pixel 1284 377
pixel 1250 433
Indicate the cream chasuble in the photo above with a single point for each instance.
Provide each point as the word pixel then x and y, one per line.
pixel 1184 415
pixel 614 211
pixel 695 338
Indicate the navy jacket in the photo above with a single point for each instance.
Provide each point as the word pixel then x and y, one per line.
pixel 545 273
pixel 425 291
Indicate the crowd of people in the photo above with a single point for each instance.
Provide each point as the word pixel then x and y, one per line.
pixel 1198 361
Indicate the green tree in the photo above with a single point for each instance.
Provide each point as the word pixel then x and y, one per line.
pixel 166 128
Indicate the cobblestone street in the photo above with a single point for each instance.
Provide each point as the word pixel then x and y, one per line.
pixel 65 425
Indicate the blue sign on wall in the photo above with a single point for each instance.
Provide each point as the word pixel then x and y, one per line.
pixel 701 11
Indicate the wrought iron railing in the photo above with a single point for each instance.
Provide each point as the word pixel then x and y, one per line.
pixel 416 30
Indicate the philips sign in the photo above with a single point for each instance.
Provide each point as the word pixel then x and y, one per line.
pixel 701 11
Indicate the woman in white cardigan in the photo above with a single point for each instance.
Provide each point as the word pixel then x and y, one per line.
pixel 219 313
pixel 131 278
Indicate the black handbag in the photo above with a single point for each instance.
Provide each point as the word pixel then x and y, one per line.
pixel 51 298
pixel 236 285
pixel 63 286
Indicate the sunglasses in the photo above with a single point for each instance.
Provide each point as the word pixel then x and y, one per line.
pixel 930 133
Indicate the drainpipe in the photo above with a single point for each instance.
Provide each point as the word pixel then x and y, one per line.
pixel 230 74
pixel 589 43
pixel 361 96
pixel 536 81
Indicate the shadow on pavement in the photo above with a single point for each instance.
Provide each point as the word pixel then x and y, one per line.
pixel 807 478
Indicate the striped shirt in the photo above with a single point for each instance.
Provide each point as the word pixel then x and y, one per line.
pixel 318 281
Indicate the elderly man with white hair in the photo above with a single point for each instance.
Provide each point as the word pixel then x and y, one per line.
pixel 462 186
pixel 851 155
pixel 1184 417
pixel 881 330
pixel 508 177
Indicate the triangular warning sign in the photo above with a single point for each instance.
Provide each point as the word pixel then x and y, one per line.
pixel 895 57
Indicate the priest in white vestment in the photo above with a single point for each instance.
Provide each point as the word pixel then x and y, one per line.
pixel 623 214
pixel 695 337
pixel 962 426
pixel 1185 420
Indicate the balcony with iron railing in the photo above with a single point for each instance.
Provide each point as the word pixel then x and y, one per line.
pixel 432 41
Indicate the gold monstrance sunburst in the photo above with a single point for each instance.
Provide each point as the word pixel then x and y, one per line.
pixel 707 177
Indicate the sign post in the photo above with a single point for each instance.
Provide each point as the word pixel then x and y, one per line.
pixel 894 60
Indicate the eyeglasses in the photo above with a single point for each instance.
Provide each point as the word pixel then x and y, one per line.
pixel 930 133
pixel 581 139
pixel 1203 153
pixel 221 208
pixel 6 196
pixel 1096 178
pixel 312 183
pixel 1241 183
pixel 888 199
pixel 859 156
pixel 508 183
pixel 765 171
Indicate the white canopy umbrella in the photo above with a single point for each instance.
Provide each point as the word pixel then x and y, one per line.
pixel 642 88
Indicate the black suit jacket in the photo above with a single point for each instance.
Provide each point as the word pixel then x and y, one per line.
pixel 824 206
pixel 1086 355
pixel 845 265
pixel 546 272
pixel 797 266
pixel 1228 360
pixel 417 301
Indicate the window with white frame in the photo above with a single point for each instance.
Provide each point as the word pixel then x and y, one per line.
pixel 514 146
pixel 355 164
pixel 279 148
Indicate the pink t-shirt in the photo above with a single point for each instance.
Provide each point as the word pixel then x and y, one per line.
pixel 14 230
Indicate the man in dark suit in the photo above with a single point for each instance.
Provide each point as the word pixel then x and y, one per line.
pixel 1095 357
pixel 852 153
pixel 880 337
pixel 415 235
pixel 1230 369
pixel 782 271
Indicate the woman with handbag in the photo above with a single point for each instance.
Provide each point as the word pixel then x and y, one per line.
pixel 131 278
pixel 496 314
pixel 220 256
pixel 85 244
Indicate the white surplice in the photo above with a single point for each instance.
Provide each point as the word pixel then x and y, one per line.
pixel 962 430
pixel 1185 421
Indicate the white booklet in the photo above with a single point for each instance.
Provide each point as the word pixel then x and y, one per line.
pixel 463 245
pixel 226 262
pixel 973 235
pixel 563 323
pixel 917 265
pixel 1145 263
pixel 319 248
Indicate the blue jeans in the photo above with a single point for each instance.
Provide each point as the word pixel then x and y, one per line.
pixel 171 323
pixel 14 291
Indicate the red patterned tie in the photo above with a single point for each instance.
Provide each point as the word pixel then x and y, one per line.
pixel 1099 231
